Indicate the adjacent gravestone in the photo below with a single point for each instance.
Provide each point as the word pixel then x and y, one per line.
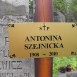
pixel 13 11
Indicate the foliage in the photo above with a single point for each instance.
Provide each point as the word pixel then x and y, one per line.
pixel 31 4
pixel 61 5
pixel 73 8
pixel 63 61
pixel 68 8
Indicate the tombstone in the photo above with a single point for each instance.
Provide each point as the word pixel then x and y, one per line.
pixel 58 16
pixel 10 12
pixel 14 8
